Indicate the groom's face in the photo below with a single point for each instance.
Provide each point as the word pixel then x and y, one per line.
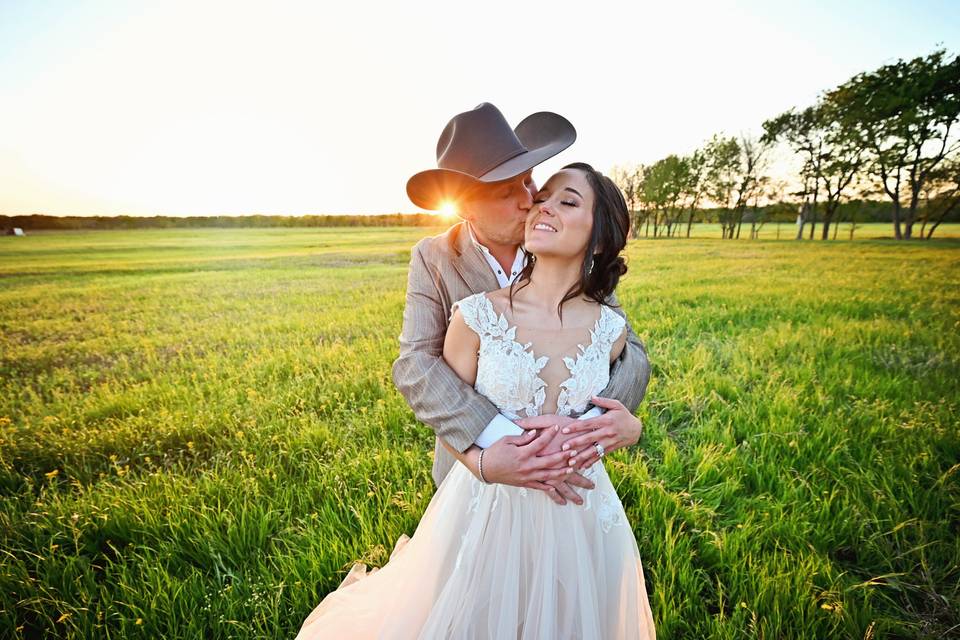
pixel 499 210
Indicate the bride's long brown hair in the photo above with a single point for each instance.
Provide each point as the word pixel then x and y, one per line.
pixel 600 272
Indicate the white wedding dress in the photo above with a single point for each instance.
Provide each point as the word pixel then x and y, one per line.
pixel 494 561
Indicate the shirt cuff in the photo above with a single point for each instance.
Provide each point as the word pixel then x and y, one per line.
pixel 497 428
pixel 593 413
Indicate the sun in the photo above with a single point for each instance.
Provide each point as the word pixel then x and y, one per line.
pixel 448 209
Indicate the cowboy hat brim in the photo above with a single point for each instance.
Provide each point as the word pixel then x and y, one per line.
pixel 544 134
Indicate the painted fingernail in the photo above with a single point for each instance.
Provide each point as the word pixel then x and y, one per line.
pixel 572 462
pixel 569 471
pixel 556 427
pixel 565 447
pixel 566 430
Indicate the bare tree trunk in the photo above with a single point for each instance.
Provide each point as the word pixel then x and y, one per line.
pixel 830 209
pixel 942 217
pixel 908 222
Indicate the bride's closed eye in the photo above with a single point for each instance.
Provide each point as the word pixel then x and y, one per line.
pixel 569 203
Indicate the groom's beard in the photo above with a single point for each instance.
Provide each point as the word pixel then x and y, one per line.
pixel 517 237
pixel 511 235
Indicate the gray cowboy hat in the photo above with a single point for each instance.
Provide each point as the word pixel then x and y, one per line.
pixel 478 146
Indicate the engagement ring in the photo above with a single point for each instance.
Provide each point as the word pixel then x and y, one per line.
pixel 599 449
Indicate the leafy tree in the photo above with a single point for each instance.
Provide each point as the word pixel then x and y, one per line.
pixel 799 130
pixel 734 171
pixel 630 180
pixel 941 196
pixel 694 184
pixel 904 114
pixel 662 187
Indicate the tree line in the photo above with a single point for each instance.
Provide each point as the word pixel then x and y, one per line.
pixel 46 222
pixel 889 133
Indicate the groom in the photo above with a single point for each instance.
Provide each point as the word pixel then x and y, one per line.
pixel 485 167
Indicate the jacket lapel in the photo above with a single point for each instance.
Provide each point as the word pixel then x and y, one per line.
pixel 471 266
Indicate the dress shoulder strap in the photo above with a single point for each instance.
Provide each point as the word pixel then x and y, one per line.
pixel 480 316
pixel 610 325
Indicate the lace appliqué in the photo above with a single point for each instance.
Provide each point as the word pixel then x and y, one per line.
pixel 507 373
pixel 590 371
pixel 608 509
pixel 476 490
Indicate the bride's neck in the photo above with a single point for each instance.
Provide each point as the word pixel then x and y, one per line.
pixel 550 280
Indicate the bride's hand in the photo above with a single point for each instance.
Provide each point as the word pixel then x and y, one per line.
pixel 615 429
pixel 521 461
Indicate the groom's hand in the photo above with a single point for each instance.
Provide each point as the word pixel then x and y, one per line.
pixel 562 488
pixel 522 461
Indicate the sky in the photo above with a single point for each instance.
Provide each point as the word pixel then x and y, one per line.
pixel 230 108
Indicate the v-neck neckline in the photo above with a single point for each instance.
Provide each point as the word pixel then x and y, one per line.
pixel 528 349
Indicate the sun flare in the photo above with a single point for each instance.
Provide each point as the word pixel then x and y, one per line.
pixel 448 209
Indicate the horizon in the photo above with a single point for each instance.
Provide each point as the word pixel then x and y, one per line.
pixel 292 109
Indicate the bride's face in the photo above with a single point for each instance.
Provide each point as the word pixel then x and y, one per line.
pixel 561 219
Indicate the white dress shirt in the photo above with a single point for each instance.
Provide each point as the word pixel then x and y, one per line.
pixel 501 425
pixel 502 277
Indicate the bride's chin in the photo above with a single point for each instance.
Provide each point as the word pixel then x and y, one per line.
pixel 535 245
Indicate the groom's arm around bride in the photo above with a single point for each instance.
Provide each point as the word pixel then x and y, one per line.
pixel 456 412
pixel 486 166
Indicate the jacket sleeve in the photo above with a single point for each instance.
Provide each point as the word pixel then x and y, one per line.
pixel 439 398
pixel 630 373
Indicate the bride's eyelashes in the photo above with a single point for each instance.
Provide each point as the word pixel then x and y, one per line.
pixel 569 203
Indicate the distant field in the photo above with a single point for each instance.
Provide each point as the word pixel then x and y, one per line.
pixel 199 434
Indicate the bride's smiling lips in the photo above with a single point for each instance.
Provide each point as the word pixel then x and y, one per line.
pixel 543 226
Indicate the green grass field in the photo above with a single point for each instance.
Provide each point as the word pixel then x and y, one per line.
pixel 199 434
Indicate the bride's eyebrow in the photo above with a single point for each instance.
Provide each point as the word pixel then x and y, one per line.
pixel 573 190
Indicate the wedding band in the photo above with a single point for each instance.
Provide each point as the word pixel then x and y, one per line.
pixel 599 449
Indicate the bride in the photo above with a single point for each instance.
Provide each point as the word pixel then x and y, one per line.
pixel 495 560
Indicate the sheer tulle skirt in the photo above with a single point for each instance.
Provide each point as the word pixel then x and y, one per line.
pixel 495 561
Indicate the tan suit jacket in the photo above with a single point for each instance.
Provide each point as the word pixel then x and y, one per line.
pixel 444 269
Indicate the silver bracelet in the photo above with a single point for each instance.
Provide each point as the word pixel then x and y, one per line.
pixel 480 466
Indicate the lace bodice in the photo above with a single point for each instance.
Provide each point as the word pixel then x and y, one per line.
pixel 509 373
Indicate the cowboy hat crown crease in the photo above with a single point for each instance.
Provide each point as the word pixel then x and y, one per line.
pixel 479 146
